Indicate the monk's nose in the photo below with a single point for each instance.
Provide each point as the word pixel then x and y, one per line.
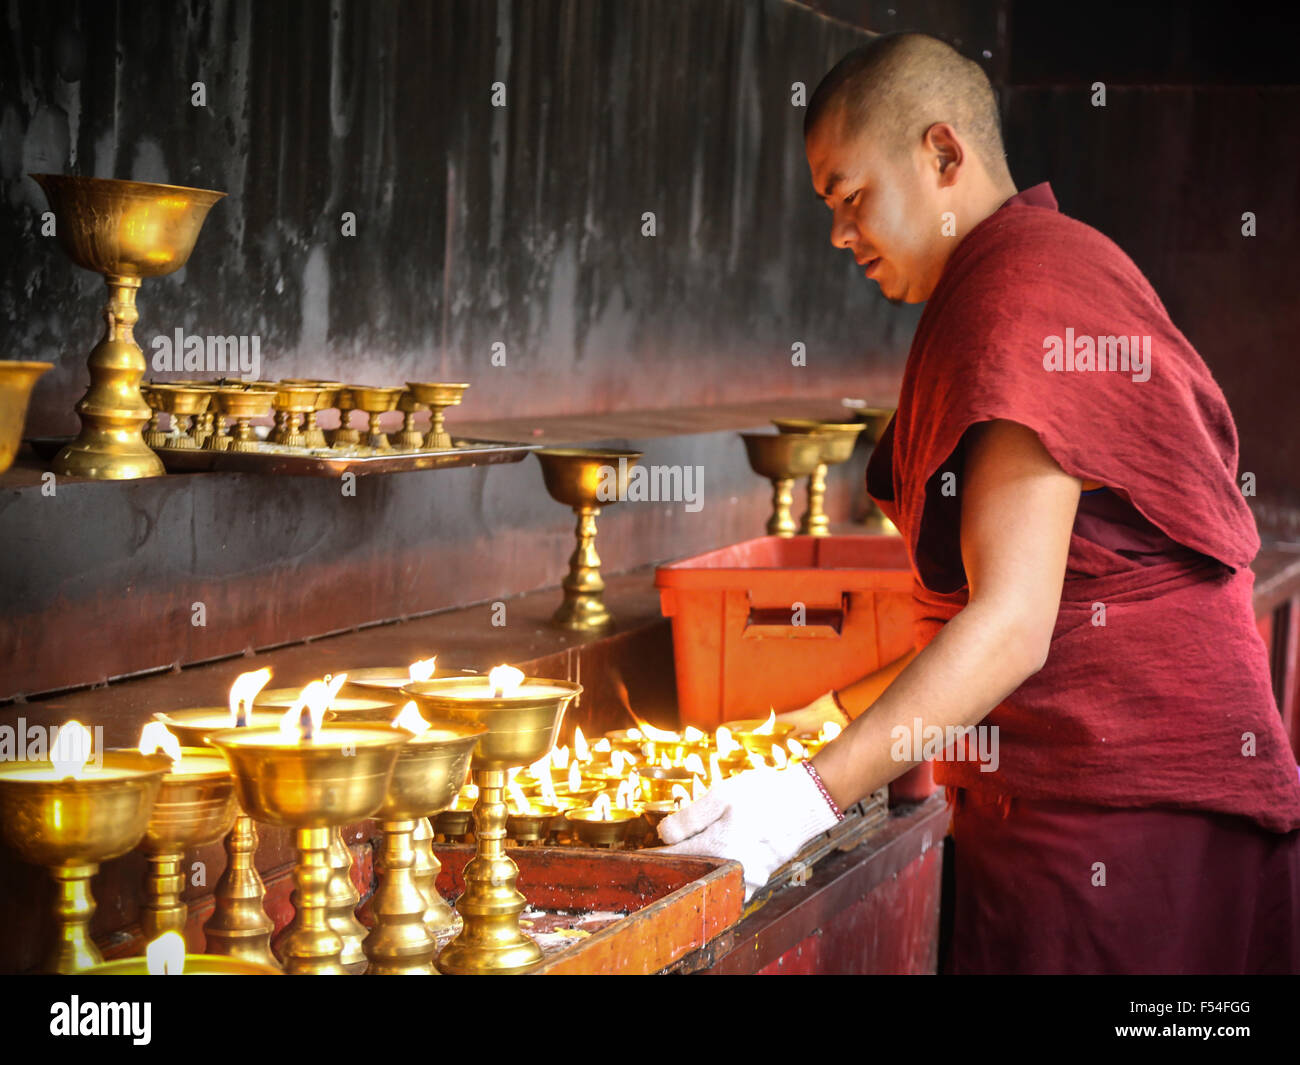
pixel 843 234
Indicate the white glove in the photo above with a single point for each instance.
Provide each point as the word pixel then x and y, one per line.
pixel 760 818
pixel 816 714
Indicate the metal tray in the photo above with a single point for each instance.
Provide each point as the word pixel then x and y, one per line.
pixel 325 462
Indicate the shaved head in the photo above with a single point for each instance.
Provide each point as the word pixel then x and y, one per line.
pixel 898 85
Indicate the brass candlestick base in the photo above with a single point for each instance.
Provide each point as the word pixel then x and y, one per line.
pixel 443 922
pixel 409 437
pixel 837 442
pixel 239 926
pixel 344 898
pixel 585 480
pixel 782 457
pixel 195 806
pixel 521 728
pixel 70 826
pixel 376 402
pixel 293 403
pixel 127 231
pixel 313 786
pixel 428 775
pixel 437 396
pixel 327 394
pixel 345 435
pixel 16 381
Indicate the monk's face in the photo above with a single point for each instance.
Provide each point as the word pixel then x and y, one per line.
pixel 887 205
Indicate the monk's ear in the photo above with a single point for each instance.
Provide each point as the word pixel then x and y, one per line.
pixel 945 152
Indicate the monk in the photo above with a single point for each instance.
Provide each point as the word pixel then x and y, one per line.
pixel 1062 468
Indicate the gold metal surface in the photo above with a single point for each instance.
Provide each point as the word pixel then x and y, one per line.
pixel 437 396
pixel 70 826
pixel 781 457
pixel 430 770
pixel 327 393
pixel 345 435
pixel 195 965
pixel 127 231
pixel 408 437
pixel 192 810
pixel 574 477
pixel 375 401
pixel 521 728
pixel 243 405
pixel 342 899
pixel 443 922
pixel 16 381
pixel 837 440
pixel 597 831
pixel 313 787
pixel 532 825
pixel 293 402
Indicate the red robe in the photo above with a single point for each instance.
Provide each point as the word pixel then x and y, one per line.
pixel 1156 693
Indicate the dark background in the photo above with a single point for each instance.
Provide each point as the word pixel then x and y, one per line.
pixel 523 225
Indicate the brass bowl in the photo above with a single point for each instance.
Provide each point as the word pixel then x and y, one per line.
pixel 431 769
pixel 374 706
pixel 532 825
pixel 79 822
pixel 16 381
pixel 522 728
pixel 783 456
pixel 244 402
pixel 601 832
pixel 436 393
pixel 657 782
pixel 876 419
pixel 759 742
pixel 194 725
pixel 370 681
pixel 126 228
pixel 340 777
pixel 184 400
pixel 573 475
pixel 837 438
pixel 453 823
pixel 192 808
pixel 297 399
pixel 373 399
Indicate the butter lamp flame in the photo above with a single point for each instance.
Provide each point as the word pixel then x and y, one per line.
pixel 70 751
pixel 423 669
pixel 155 737
pixel 165 956
pixel 410 719
pixel 242 694
pixel 505 680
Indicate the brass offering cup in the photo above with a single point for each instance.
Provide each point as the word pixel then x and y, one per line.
pixel 454 823
pixel 313 786
pixel 72 825
pixel 184 403
pixel 430 770
pixel 243 405
pixel 127 231
pixel 837 440
pixel 293 403
pixel 375 402
pixel 521 728
pixel 16 381
pixel 383 682
pixel 782 457
pixel 437 396
pixel 327 396
pixel 657 782
pixel 532 825
pixel 593 829
pixel 409 438
pixel 195 806
pixel 585 479
pixel 745 733
pixel 239 926
pixel 345 435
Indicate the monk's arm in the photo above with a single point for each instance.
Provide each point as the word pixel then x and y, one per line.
pixel 1018 509
pixel 857 698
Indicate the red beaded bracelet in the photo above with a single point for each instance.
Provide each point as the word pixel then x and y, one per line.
pixel 817 779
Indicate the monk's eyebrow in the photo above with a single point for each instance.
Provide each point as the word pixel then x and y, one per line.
pixel 835 178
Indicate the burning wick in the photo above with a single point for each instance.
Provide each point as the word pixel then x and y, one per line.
pixel 70 751
pixel 242 694
pixel 680 795
pixel 603 746
pixel 779 758
pixel 423 669
pixel 518 800
pixel 165 956
pixel 155 737
pixel 580 749
pixel 767 727
pixel 505 680
pixel 692 735
pixel 302 720
pixel 602 807
pixel 410 719
pixel 560 757
pixel 575 777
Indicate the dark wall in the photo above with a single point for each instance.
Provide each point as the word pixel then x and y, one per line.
pixel 475 224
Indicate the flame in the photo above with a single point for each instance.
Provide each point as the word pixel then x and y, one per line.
pixel 698 788
pixel 70 751
pixel 423 669
pixel 165 956
pixel 767 727
pixel 680 795
pixel 829 731
pixel 634 785
pixel 616 761
pixel 755 761
pixel 549 798
pixel 580 749
pixel 603 746
pixel 303 720
pixel 664 760
pixel 658 735
pixel 692 735
pixel 634 734
pixel 518 800
pixel 624 797
pixel 469 792
pixel 725 742
pixel 242 694
pixel 715 771
pixel 505 680
pixel 410 719
pixel 575 777
pixel 334 684
pixel 630 758
pixel 560 757
pixel 779 758
pixel 602 807
pixel 155 737
pixel 797 749
pixel 694 763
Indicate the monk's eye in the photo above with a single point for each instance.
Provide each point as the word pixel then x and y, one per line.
pixel 850 197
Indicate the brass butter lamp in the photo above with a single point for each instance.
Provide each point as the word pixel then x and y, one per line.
pixel 16 381
pixel 437 396
pixel 69 817
pixel 781 458
pixel 585 479
pixel 522 715
pixel 312 778
pixel 837 440
pixel 127 231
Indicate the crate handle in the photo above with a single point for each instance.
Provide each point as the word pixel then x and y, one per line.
pixel 778 620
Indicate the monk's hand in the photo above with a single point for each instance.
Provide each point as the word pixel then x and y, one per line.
pixel 760 818
pixel 821 711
